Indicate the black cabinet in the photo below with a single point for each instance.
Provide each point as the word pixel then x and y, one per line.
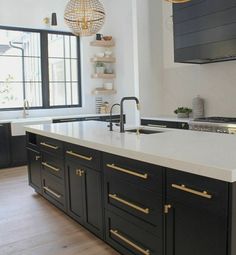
pixel 5 137
pixel 196 220
pixel 34 169
pixel 84 187
pixel 165 124
pixel 18 150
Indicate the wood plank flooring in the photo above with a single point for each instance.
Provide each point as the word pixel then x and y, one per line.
pixel 29 225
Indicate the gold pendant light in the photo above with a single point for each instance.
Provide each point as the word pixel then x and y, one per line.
pixel 178 1
pixel 84 17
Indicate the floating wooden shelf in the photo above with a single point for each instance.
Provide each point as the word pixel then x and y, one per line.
pixel 103 43
pixel 103 76
pixel 102 91
pixel 104 59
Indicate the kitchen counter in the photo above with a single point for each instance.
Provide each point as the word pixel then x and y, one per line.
pixel 205 154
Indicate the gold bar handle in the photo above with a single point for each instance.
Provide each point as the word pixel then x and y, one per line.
pixel 158 126
pixel 50 167
pixel 138 208
pixel 49 146
pixel 79 155
pixel 80 172
pixel 195 192
pixel 52 192
pixel 123 170
pixel 133 245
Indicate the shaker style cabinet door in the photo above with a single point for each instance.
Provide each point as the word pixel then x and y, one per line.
pixel 34 169
pixel 4 145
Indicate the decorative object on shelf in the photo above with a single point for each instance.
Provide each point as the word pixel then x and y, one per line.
pixel 99 37
pixel 99 68
pixel 104 108
pixel 100 54
pixel 98 103
pixel 109 68
pixel 178 1
pixel 108 53
pixel 183 112
pixel 54 19
pixel 107 38
pixel 198 107
pixel 84 17
pixel 108 85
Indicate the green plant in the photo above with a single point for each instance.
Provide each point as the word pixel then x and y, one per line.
pixel 100 64
pixel 183 110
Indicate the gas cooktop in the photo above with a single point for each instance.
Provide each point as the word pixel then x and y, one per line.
pixel 214 124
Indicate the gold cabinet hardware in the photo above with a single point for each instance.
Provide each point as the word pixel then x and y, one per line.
pixel 37 158
pixel 133 245
pixel 80 172
pixel 195 192
pixel 49 146
pixel 123 170
pixel 50 167
pixel 138 208
pixel 167 208
pixel 158 126
pixel 78 155
pixel 52 192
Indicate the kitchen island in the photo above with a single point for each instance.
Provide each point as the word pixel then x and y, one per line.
pixel 167 193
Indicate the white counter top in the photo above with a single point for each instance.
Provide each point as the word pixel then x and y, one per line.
pixel 168 118
pixel 206 154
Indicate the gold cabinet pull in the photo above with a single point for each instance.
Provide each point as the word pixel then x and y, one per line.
pixel 167 208
pixel 80 172
pixel 52 192
pixel 49 146
pixel 37 158
pixel 123 170
pixel 78 155
pixel 195 192
pixel 133 245
pixel 50 167
pixel 138 208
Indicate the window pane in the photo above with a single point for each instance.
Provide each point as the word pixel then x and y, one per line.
pixel 11 67
pixel 74 52
pixel 34 94
pixel 18 43
pixel 75 93
pixel 11 95
pixel 32 69
pixel 56 70
pixel 57 94
pixel 74 70
pixel 56 45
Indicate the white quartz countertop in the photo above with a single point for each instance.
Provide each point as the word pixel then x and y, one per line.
pixel 168 118
pixel 206 154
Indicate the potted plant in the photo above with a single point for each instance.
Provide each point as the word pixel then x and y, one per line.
pixel 100 68
pixel 183 112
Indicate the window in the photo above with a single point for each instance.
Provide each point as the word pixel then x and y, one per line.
pixel 40 66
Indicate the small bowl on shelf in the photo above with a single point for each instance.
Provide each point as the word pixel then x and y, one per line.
pixel 100 54
pixel 107 38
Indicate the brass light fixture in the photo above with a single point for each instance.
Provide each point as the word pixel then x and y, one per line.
pixel 84 17
pixel 178 1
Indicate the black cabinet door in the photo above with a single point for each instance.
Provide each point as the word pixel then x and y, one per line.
pixel 93 201
pixel 195 231
pixel 75 192
pixel 4 145
pixel 34 170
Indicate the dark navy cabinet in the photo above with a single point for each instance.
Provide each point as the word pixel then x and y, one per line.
pixel 5 136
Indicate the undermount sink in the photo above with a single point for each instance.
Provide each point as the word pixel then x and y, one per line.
pixel 144 131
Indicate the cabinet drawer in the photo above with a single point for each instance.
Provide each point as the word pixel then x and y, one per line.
pixel 53 189
pixel 133 171
pixel 83 155
pixel 50 145
pixel 130 239
pixel 142 204
pixel 197 191
pixel 53 164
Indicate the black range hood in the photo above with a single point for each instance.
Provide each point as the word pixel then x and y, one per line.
pixel 205 31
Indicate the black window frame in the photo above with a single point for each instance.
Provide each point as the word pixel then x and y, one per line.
pixel 45 68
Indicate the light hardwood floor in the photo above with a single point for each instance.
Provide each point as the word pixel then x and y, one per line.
pixel 29 225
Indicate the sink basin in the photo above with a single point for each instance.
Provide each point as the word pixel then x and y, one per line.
pixel 144 131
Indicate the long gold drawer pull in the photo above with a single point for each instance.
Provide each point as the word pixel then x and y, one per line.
pixel 123 170
pixel 52 192
pixel 50 167
pixel 49 146
pixel 138 208
pixel 135 246
pixel 195 192
pixel 78 155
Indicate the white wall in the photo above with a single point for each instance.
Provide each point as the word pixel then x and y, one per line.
pixel 216 83
pixel 119 23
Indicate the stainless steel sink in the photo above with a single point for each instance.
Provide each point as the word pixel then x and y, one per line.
pixel 144 131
